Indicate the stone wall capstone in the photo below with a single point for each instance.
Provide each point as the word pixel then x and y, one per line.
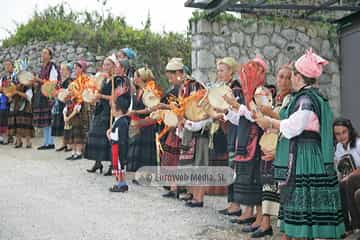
pixel 63 52
pixel 277 42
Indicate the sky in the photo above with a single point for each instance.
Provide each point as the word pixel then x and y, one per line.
pixel 169 15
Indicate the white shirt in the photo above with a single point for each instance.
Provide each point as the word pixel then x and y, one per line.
pixel 77 108
pixel 234 116
pixel 196 126
pixel 29 94
pixel 299 121
pixel 53 74
pixel 355 152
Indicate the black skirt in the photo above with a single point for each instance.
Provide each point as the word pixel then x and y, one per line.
pixel 41 109
pixel 57 123
pixel 247 187
pixel 142 149
pixel 98 146
pixel 75 134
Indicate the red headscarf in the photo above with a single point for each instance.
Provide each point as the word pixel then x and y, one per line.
pixel 252 75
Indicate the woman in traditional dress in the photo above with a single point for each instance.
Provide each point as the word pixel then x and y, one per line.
pixel 194 131
pixel 348 147
pixel 75 115
pixel 128 55
pixel 142 149
pixel 98 146
pixel 5 81
pixel 21 117
pixel 270 198
pixel 226 68
pixel 170 156
pixel 244 149
pixel 57 111
pixel 309 191
pixel 41 104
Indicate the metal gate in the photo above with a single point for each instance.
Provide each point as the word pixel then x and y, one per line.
pixel 350 71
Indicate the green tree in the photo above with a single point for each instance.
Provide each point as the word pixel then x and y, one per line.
pixel 101 32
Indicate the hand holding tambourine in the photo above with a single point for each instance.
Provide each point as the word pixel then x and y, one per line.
pixel 231 101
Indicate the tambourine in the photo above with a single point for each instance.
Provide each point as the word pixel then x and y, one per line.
pixel 26 78
pixel 268 141
pixel 98 79
pixel 263 96
pixel 169 117
pixel 194 112
pixel 150 99
pixel 88 96
pixel 9 91
pixel 216 94
pixel 62 94
pixel 48 89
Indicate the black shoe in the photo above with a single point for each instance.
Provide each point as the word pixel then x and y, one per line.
pixel 61 149
pixel 171 194
pixel 227 213
pixel 166 188
pixel 43 147
pixel 109 171
pixel 187 197
pixel 249 220
pixel 18 145
pixel 116 188
pixel 77 157
pixel 260 233
pixel 96 166
pixel 136 182
pixel 194 204
pixel 70 158
pixel 249 228
pixel 29 145
pixel 68 149
pixel 50 146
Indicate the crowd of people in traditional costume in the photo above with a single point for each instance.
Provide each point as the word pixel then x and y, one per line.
pixel 279 140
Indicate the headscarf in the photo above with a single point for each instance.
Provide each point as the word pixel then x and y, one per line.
pixel 175 64
pixel 83 64
pixel 113 59
pixel 252 75
pixel 310 64
pixel 145 74
pixel 131 54
pixel 261 62
pixel 229 61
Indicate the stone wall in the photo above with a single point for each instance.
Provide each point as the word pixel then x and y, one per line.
pixel 277 42
pixel 63 52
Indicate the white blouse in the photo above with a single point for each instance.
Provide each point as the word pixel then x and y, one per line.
pixel 355 152
pixel 299 121
pixel 77 108
pixel 196 126
pixel 29 94
pixel 233 116
pixel 53 74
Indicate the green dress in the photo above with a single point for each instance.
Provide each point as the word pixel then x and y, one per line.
pixel 310 200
